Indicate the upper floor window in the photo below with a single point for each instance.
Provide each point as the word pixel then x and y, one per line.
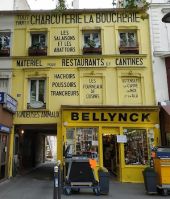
pixel 4 85
pixel 92 42
pixel 4 44
pixel 128 42
pixel 37 93
pixel 38 44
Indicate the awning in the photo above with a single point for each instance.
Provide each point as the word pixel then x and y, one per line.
pixel 166 108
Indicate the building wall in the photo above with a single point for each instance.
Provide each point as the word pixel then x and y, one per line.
pixel 7 24
pixel 108 73
pixel 160 48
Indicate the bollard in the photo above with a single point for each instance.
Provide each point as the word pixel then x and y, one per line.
pixel 57 181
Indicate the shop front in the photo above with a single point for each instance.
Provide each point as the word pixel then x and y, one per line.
pixel 7 109
pixel 120 138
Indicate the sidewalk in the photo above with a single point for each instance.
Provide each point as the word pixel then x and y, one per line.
pixel 31 188
pixel 38 184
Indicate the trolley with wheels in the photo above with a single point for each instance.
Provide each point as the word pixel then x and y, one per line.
pixel 80 175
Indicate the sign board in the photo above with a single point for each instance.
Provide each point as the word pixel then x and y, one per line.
pixel 4 129
pixel 8 102
pixel 121 139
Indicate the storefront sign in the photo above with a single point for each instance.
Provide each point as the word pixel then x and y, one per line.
pixel 83 62
pixel 37 114
pixel 134 117
pixel 129 61
pixel 8 102
pixel 76 18
pixel 4 129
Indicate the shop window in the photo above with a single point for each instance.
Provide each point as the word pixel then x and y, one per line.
pixel 38 44
pixel 4 44
pixel 4 84
pixel 136 148
pixel 36 94
pixel 92 42
pixel 82 142
pixel 128 42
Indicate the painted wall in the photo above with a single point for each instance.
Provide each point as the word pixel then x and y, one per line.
pixel 77 79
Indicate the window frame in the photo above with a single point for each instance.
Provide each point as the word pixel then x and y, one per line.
pixel 90 47
pixel 129 155
pixel 132 47
pixel 37 93
pixel 39 42
pixel 7 82
pixel 5 48
pixel 38 48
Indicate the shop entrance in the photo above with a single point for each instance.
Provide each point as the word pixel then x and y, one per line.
pixel 3 155
pixel 111 157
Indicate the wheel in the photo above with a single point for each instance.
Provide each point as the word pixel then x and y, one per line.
pixel 67 191
pixel 164 192
pixel 96 191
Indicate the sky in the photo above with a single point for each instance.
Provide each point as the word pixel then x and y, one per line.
pixel 50 4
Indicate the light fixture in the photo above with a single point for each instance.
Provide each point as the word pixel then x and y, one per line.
pixel 65 123
pixel 22 131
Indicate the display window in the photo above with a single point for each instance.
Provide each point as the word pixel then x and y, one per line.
pixel 82 142
pixel 136 147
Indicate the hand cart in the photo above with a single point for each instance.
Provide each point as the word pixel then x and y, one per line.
pixel 80 175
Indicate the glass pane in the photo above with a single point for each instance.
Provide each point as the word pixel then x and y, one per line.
pixel 33 91
pixel 86 39
pixel 83 141
pixel 132 39
pixel 41 90
pixel 4 85
pixel 96 39
pixel 123 39
pixel 136 148
pixel 42 40
pixel 4 40
pixel 35 39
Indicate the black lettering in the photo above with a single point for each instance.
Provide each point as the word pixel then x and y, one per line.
pixel 103 118
pixel 134 117
pixel 145 116
pixel 74 116
pixel 122 117
pixel 95 118
pixel 85 116
pixel 112 116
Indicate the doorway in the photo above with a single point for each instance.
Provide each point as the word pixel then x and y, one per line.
pixel 3 155
pixel 111 154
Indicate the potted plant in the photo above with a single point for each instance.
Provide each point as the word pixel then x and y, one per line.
pixel 91 47
pixel 37 50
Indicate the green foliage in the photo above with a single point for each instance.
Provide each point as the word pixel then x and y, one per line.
pixel 133 4
pixel 91 43
pixel 61 5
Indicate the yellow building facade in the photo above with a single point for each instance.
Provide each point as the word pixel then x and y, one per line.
pixel 86 76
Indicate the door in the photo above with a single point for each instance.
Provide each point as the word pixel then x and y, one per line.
pixel 111 152
pixel 3 155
